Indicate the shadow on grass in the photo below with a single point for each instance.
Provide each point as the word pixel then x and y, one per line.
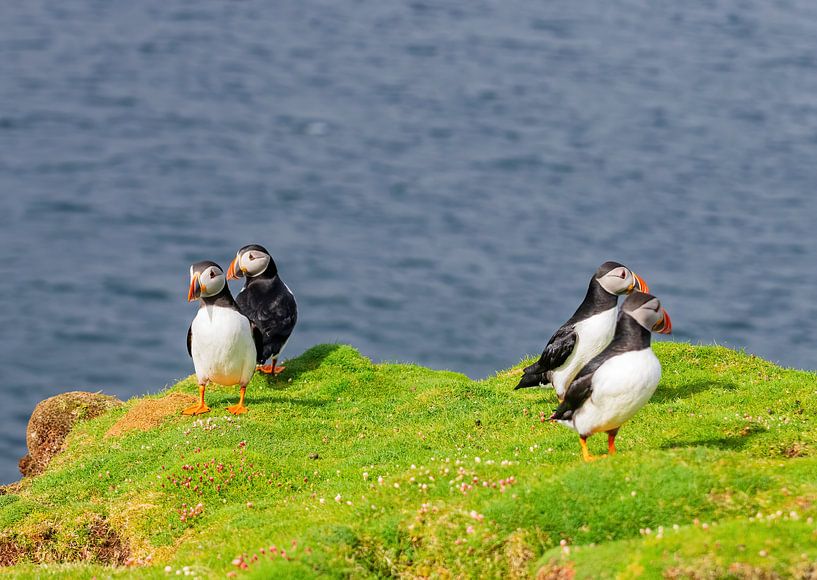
pixel 273 399
pixel 308 361
pixel 690 388
pixel 734 442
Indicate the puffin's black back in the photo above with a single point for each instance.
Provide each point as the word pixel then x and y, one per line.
pixel 267 301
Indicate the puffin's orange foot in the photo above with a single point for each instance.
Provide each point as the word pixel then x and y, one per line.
pixel 197 409
pixel 270 369
pixel 586 452
pixel 237 409
pixel 611 441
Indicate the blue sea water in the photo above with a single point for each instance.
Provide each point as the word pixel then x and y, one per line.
pixel 436 180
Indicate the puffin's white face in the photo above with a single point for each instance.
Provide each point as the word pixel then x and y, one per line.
pixel 251 263
pixel 621 280
pixel 206 283
pixel 651 316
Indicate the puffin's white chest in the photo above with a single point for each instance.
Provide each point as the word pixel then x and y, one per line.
pixel 222 346
pixel 621 386
pixel 592 336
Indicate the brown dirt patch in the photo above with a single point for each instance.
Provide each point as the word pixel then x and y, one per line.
pixel 10 488
pixel 150 413
pixel 553 571
pixel 53 419
pixel 95 541
pixel 104 545
pixel 795 450
pixel 518 554
pixel 10 552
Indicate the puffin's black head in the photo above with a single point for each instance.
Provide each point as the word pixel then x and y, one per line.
pixel 618 279
pixel 647 311
pixel 252 260
pixel 206 280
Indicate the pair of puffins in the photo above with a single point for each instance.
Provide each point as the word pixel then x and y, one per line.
pixel 600 362
pixel 230 338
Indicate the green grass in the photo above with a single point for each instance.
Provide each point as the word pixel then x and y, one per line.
pixel 357 469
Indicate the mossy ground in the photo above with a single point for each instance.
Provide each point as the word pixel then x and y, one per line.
pixel 350 468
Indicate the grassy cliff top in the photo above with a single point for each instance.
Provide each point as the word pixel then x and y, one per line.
pixel 345 467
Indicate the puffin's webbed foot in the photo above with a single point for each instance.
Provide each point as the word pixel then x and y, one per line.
pixel 271 369
pixel 586 452
pixel 239 407
pixel 199 408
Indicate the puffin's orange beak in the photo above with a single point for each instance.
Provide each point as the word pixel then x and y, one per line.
pixel 640 284
pixel 663 326
pixel 195 288
pixel 231 271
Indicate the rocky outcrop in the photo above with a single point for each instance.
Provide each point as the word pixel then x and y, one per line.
pixel 53 419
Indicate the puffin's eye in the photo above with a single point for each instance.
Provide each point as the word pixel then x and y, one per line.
pixel 623 274
pixel 252 257
pixel 212 273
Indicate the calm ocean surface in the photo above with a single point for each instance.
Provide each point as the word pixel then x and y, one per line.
pixel 436 180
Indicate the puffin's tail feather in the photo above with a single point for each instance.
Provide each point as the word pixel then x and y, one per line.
pixel 531 380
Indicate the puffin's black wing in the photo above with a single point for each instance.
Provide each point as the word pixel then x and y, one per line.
pixel 577 393
pixel 190 340
pixel 258 339
pixel 271 306
pixel 580 389
pixel 555 354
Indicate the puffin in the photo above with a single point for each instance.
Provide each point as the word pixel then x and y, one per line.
pixel 265 300
pixel 223 343
pixel 613 386
pixel 586 333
